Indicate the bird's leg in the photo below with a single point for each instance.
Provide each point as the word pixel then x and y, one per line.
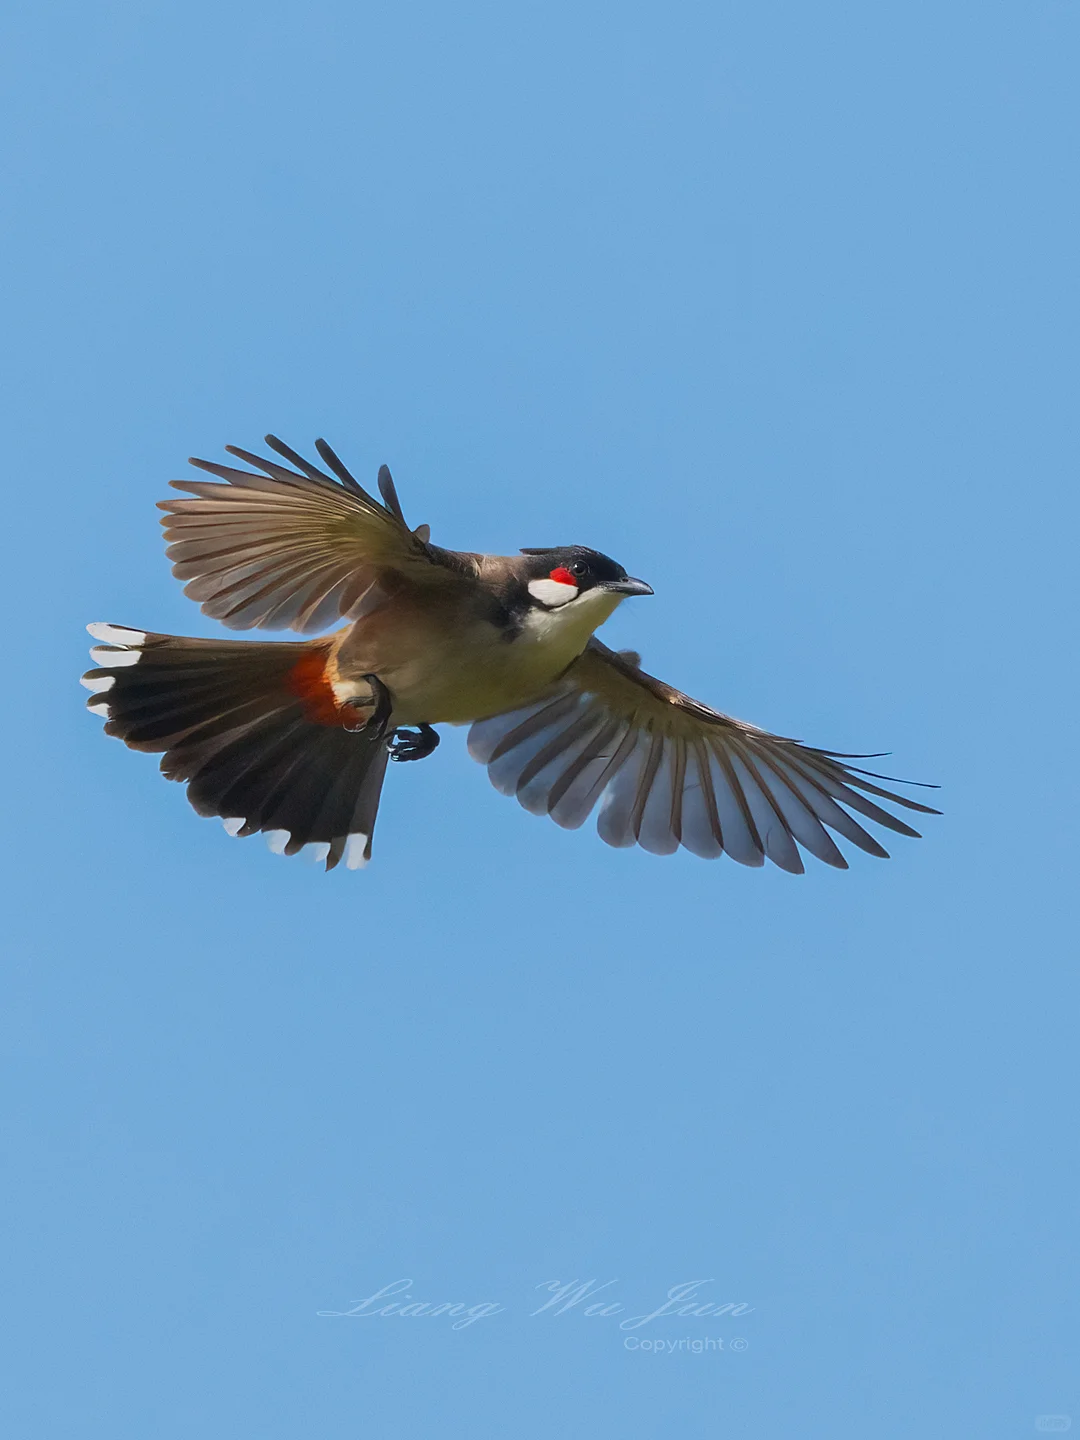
pixel 376 722
pixel 412 744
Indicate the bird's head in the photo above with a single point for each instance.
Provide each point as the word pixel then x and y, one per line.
pixel 576 576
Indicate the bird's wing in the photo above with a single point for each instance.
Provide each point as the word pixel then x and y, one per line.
pixel 295 548
pixel 669 771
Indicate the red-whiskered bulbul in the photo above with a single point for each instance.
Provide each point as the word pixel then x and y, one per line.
pixel 293 737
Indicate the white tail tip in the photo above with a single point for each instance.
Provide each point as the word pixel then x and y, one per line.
pixel 116 634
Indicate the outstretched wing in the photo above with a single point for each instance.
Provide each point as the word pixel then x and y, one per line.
pixel 294 548
pixel 670 771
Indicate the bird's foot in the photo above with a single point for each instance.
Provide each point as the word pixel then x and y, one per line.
pixel 412 744
pixel 375 724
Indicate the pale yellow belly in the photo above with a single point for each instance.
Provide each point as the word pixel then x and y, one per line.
pixel 471 682
pixel 446 667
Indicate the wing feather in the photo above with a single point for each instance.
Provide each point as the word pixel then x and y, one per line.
pixel 276 548
pixel 573 794
pixel 657 800
pixel 544 769
pixel 777 841
pixel 615 822
pixel 804 825
pixel 701 833
pixel 670 772
pixel 741 839
pixel 577 805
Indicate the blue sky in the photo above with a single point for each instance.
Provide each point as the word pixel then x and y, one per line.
pixel 778 305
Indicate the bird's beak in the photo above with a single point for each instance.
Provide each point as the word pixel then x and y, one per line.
pixel 628 587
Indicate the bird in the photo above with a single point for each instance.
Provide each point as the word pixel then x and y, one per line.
pixel 293 737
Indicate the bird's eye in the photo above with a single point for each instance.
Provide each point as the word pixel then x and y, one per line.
pixel 578 568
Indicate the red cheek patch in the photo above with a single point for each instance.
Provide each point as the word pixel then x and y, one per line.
pixel 562 576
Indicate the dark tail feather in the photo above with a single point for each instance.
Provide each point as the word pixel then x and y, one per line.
pixel 253 729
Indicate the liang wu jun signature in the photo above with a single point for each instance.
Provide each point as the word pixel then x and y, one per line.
pixel 589 1298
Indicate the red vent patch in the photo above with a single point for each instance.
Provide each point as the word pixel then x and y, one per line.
pixel 308 681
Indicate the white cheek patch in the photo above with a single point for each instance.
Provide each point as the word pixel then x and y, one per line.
pixel 552 592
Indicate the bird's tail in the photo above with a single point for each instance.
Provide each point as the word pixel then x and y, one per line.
pixel 255 730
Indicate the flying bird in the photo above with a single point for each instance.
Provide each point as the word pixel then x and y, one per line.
pixel 293 737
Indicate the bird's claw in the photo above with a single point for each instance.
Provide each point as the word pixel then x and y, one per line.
pixel 377 721
pixel 415 744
